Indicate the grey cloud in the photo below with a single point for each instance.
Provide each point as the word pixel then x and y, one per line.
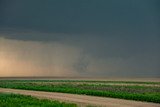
pixel 96 37
pixel 101 46
pixel 91 16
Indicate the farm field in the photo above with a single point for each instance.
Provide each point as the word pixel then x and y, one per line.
pixel 15 100
pixel 130 90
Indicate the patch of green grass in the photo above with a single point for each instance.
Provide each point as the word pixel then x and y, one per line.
pixel 135 92
pixel 15 100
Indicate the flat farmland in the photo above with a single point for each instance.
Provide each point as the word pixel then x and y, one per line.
pixel 16 100
pixel 130 90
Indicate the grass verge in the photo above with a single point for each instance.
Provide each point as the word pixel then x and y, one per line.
pixel 16 100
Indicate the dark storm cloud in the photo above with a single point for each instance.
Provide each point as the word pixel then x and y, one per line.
pixel 117 37
pixel 136 19
pixel 83 16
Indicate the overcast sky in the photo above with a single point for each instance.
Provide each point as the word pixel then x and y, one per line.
pixel 80 38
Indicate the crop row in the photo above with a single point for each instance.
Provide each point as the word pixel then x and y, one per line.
pixel 86 81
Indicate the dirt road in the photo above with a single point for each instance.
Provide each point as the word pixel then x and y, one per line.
pixel 82 99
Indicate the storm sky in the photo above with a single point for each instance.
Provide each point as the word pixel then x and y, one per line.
pixel 101 38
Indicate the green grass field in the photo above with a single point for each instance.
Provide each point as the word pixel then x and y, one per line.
pixel 15 100
pixel 140 91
